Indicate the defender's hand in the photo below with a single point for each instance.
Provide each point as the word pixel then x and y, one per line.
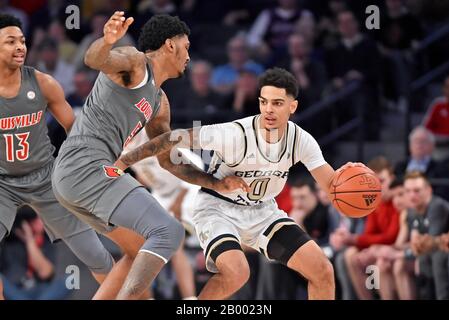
pixel 230 184
pixel 116 27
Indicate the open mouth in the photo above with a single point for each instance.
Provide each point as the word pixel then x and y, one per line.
pixel 270 120
pixel 19 57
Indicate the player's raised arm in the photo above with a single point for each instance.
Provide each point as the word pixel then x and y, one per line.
pixel 100 55
pixel 57 104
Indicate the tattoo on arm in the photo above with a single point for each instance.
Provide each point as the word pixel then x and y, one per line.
pixel 151 148
pixel 187 171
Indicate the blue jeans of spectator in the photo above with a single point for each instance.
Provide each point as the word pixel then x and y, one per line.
pixel 53 290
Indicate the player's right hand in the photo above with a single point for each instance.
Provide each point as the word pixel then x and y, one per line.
pixel 230 184
pixel 116 27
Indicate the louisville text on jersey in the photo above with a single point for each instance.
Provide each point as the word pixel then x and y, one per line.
pixel 22 121
pixel 145 107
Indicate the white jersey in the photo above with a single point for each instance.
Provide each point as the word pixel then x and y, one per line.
pixel 240 150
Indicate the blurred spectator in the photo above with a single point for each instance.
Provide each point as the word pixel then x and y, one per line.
pixel 399 33
pixel 199 99
pixel 310 73
pixel 356 58
pixel 83 82
pixel 335 217
pixel 50 62
pixel 348 60
pixel 382 227
pixel 283 199
pixel 67 48
pixel 307 28
pixel 28 262
pixel 146 9
pixel 400 30
pixel 437 122
pixel 48 11
pixel 229 13
pixel 396 263
pixel 89 8
pixel 21 15
pixel 245 99
pixel 308 211
pixel 270 31
pixel 224 77
pixel 430 220
pixel 421 146
pixel 327 25
pixel 97 23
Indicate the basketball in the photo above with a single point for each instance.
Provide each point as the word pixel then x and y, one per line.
pixel 356 192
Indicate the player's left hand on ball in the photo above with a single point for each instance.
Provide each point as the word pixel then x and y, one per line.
pixel 230 184
pixel 353 164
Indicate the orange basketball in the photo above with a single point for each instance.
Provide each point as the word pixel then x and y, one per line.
pixel 356 192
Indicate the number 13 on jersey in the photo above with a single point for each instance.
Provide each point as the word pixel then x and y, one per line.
pixel 20 154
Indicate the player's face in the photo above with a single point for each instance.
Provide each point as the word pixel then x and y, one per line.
pixel 417 192
pixel 275 107
pixel 12 47
pixel 181 53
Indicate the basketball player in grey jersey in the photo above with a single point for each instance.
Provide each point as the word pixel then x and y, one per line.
pixel 126 98
pixel 26 157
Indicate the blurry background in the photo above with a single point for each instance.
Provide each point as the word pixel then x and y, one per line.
pixel 362 92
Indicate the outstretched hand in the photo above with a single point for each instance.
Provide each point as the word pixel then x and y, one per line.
pixel 116 27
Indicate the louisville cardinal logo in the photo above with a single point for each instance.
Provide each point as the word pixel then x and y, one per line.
pixel 112 172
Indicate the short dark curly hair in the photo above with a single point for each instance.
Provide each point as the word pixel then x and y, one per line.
pixel 7 20
pixel 279 78
pixel 160 28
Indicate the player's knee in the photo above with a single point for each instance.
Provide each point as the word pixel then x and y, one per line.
pixel 166 238
pixel 236 273
pixel 176 232
pixel 325 272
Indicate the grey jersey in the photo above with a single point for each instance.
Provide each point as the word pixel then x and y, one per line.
pixel 115 114
pixel 24 142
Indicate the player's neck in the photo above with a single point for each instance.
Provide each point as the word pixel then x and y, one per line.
pixel 158 67
pixel 273 135
pixel 9 76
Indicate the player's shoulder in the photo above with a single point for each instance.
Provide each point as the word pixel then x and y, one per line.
pixel 46 82
pixel 131 52
pixel 247 122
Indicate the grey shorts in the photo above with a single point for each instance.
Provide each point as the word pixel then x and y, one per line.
pixel 85 183
pixel 35 190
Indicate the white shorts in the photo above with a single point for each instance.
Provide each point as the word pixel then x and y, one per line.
pixel 217 221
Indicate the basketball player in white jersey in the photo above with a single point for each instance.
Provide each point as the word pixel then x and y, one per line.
pixel 177 197
pixel 260 149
